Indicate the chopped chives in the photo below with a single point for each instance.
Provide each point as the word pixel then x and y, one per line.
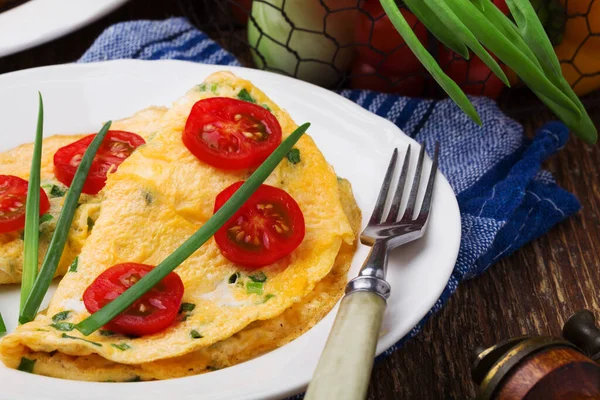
pixel 120 304
pixel 65 336
pixel 187 307
pixel 254 287
pixel 2 326
pixel 57 191
pixel 63 326
pixel 32 213
pixel 46 218
pixel 194 334
pixel 258 277
pixel 121 346
pixel 105 332
pixel 245 96
pixel 294 156
pixel 90 223
pixel 74 264
pixel 59 238
pixel 61 316
pixel 26 365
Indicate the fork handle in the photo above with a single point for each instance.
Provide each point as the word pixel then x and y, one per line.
pixel 344 369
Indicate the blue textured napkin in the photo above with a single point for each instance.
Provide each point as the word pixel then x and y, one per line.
pixel 505 198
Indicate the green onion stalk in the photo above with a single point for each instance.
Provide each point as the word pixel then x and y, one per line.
pixel 522 45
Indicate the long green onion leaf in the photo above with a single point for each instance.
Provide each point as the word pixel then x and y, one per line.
pixel 2 326
pixel 449 86
pixel 456 26
pixel 437 27
pixel 32 212
pixel 127 298
pixel 63 225
pixel 533 33
pixel 508 53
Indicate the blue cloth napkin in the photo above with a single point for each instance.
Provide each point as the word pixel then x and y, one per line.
pixel 505 198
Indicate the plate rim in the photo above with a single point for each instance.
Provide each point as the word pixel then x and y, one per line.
pixel 62 26
pixel 297 388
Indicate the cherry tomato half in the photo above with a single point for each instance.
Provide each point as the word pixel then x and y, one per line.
pixel 231 134
pixel 13 196
pixel 115 148
pixel 154 311
pixel 268 227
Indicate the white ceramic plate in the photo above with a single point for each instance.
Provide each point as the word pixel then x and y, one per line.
pixel 357 143
pixel 40 21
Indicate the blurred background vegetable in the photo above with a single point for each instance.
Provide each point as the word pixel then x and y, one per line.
pixel 353 43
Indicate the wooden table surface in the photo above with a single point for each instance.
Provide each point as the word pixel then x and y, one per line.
pixel 531 292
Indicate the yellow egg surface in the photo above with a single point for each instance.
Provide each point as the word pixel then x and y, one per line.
pixel 17 162
pixel 257 338
pixel 160 196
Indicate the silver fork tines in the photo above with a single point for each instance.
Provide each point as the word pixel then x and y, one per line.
pixel 386 232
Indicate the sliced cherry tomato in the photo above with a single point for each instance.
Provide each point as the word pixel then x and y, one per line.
pixel 154 311
pixel 13 196
pixel 231 134
pixel 268 227
pixel 116 147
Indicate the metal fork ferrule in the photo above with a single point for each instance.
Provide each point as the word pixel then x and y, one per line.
pixel 364 283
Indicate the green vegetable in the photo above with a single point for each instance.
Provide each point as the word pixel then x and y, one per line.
pixel 32 212
pixel 245 96
pixel 59 238
pixel 134 379
pixel 63 326
pixel 120 304
pixel 90 223
pixel 2 326
pixel 148 197
pixel 187 307
pixel 121 346
pixel 258 277
pixel 46 218
pixel 294 156
pixel 311 56
pixel 57 191
pixel 234 277
pixel 105 332
pixel 266 107
pixel 65 336
pixel 254 287
pixel 194 334
pixel 61 316
pixel 267 297
pixel 74 264
pixel 26 365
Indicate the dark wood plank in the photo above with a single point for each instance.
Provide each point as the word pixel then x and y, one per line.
pixel 531 292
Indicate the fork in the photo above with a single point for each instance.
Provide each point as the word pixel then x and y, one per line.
pixel 344 368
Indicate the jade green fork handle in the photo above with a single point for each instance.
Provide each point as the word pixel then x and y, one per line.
pixel 344 369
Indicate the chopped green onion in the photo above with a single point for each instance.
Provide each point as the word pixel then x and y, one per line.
pixel 61 316
pixel 74 264
pixel 259 277
pixel 2 326
pixel 90 223
pixel 63 326
pixel 26 365
pixel 254 287
pixel 148 197
pixel 266 107
pixel 59 238
pixel 134 379
pixel 57 191
pixel 187 307
pixel 194 334
pixel 105 332
pixel 65 336
pixel 120 304
pixel 245 96
pixel 121 346
pixel 294 156
pixel 46 218
pixel 234 277
pixel 32 213
pixel 267 297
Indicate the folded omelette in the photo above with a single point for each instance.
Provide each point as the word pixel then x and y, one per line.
pixel 157 199
pixel 17 162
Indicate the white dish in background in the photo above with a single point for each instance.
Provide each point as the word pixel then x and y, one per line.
pixel 356 142
pixel 39 21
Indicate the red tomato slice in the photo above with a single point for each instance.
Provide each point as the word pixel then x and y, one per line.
pixel 231 134
pixel 116 147
pixel 154 311
pixel 13 196
pixel 268 227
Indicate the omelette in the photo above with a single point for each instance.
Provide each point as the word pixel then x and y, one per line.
pixel 157 199
pixel 17 162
